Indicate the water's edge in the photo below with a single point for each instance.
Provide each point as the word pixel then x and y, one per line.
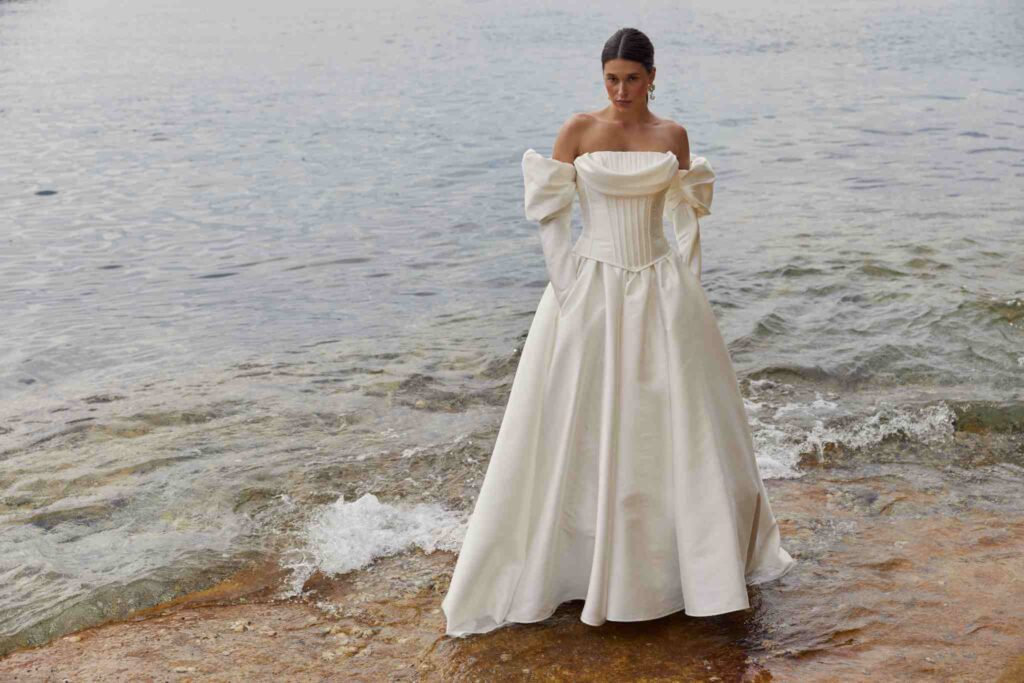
pixel 904 571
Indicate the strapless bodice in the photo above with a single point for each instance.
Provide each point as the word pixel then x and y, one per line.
pixel 622 200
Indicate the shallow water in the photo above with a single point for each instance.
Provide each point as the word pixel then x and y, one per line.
pixel 907 572
pixel 259 257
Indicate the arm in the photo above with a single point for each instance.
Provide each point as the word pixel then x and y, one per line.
pixel 550 189
pixel 688 199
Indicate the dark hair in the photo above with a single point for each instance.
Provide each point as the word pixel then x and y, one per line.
pixel 631 44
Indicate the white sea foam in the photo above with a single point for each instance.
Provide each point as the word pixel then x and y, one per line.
pixel 782 433
pixel 344 536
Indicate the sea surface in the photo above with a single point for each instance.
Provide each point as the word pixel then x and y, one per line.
pixel 265 274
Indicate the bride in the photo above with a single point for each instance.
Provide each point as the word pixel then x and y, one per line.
pixel 623 473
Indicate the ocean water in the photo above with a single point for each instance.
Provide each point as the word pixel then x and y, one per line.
pixel 264 272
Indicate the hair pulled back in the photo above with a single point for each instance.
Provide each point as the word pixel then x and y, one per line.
pixel 630 44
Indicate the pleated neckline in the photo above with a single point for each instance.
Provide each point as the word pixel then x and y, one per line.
pixel 627 172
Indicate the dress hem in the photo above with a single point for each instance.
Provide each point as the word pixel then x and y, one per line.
pixel 753 580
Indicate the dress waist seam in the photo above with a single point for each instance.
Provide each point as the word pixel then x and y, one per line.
pixel 584 248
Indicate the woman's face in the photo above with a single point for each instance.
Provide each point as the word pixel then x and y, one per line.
pixel 626 83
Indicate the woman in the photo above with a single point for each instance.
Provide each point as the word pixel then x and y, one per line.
pixel 623 473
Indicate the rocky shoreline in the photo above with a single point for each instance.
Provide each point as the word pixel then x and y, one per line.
pixel 908 570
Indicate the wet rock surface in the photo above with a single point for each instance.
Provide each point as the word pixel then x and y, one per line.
pixel 906 572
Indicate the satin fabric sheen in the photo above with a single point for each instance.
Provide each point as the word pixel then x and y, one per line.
pixel 623 473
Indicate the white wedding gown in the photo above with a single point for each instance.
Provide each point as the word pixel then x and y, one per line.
pixel 624 471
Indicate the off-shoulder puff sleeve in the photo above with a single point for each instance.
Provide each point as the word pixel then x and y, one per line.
pixel 550 186
pixel 689 198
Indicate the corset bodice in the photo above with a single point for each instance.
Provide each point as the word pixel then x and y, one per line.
pixel 622 201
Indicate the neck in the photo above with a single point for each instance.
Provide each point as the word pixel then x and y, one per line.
pixel 635 116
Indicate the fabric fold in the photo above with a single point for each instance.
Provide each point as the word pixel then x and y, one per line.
pixel 653 176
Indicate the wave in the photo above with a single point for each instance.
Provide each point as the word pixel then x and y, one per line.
pixel 345 536
pixel 789 435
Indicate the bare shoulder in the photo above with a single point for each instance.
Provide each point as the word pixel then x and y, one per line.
pixel 567 143
pixel 680 142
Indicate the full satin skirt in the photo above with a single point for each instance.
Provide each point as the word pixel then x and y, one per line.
pixel 623 472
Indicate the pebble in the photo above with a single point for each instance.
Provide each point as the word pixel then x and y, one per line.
pixel 241 625
pixel 505 657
